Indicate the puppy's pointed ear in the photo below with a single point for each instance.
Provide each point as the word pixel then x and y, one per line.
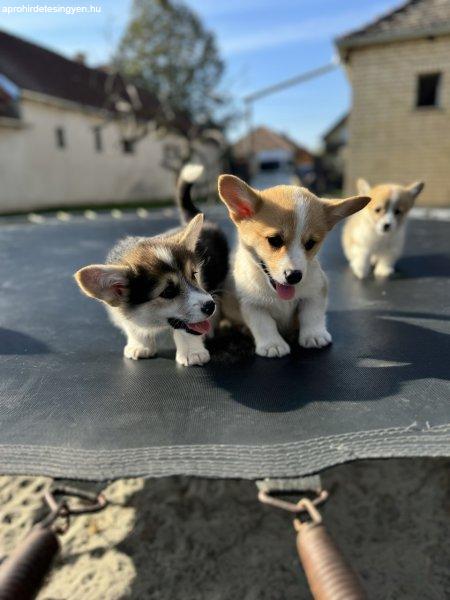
pixel 363 187
pixel 339 209
pixel 190 233
pixel 415 188
pixel 242 200
pixel 105 282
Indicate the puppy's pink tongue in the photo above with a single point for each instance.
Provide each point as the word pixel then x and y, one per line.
pixel 201 327
pixel 285 292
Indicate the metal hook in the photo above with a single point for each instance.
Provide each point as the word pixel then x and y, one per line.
pixel 292 507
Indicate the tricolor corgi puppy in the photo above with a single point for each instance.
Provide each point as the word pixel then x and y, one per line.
pixel 374 238
pixel 149 283
pixel 276 275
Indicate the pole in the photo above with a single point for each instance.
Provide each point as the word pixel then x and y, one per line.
pixel 272 89
pixel 286 83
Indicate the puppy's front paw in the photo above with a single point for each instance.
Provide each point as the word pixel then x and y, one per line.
pixel 360 270
pixel 314 339
pixel 382 270
pixel 196 357
pixel 275 349
pixel 137 351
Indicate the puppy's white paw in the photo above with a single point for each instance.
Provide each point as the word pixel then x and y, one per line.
pixel 360 270
pixel 196 357
pixel 275 349
pixel 137 351
pixel 382 270
pixel 314 339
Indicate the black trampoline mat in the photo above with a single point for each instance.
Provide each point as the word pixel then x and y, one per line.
pixel 72 406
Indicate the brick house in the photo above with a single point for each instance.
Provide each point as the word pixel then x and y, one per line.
pixel 399 127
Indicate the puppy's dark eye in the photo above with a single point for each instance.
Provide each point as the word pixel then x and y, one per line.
pixel 170 291
pixel 397 211
pixel 309 244
pixel 276 241
pixel 194 274
pixel 378 209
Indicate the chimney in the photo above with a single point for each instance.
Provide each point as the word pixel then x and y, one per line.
pixel 105 68
pixel 80 58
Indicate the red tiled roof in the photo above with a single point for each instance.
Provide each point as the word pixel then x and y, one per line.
pixel 264 139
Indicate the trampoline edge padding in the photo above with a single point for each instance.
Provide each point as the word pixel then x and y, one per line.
pixel 222 461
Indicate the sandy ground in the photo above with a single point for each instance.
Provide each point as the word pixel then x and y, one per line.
pixel 194 539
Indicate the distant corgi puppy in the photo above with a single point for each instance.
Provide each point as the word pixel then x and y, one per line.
pixel 375 236
pixel 149 283
pixel 276 276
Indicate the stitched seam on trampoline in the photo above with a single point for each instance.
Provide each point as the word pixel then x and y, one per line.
pixel 230 470
pixel 374 444
pixel 210 448
pixel 285 458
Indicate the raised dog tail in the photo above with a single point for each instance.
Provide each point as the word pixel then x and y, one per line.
pixel 189 174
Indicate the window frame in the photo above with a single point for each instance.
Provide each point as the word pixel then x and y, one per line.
pixel 128 147
pixel 60 137
pixel 420 78
pixel 98 139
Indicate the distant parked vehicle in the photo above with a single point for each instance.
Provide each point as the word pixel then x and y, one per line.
pixel 272 158
pixel 274 167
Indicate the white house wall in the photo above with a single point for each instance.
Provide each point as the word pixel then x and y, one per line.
pixel 35 173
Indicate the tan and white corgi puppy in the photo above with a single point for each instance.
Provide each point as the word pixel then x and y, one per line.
pixel 374 238
pixel 276 276
pixel 149 283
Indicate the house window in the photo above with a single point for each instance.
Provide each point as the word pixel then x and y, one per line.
pixel 128 146
pixel 98 140
pixel 428 90
pixel 60 135
pixel 269 165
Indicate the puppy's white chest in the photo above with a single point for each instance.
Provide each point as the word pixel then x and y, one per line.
pixel 383 242
pixel 283 312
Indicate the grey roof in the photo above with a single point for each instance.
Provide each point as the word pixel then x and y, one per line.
pixel 31 67
pixel 413 19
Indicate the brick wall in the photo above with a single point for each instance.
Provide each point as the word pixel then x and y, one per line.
pixel 391 139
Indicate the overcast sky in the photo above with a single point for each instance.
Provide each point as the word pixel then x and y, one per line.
pixel 262 41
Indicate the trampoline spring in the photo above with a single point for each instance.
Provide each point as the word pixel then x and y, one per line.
pixel 23 572
pixel 329 575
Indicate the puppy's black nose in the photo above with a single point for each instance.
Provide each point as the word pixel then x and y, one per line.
pixel 386 226
pixel 208 308
pixel 293 277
